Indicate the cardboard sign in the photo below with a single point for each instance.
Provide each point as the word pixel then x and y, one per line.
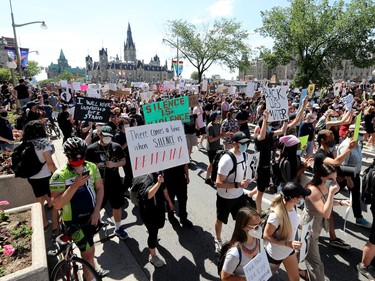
pixel 156 147
pixel 357 125
pixel 250 89
pixel 311 90
pixel 123 92
pixel 167 110
pixel 305 239
pixel 277 103
pixel 258 269
pixel 92 109
pixel 193 100
pixel 252 161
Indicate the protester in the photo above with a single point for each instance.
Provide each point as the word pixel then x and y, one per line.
pixel 22 93
pixel 6 131
pixel 369 121
pixel 230 124
pixel 200 126
pixel 65 121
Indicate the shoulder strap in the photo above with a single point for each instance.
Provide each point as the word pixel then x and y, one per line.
pixel 234 160
pixel 239 255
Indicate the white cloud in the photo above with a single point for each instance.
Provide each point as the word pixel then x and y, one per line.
pixel 222 8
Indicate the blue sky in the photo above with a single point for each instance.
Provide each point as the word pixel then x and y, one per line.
pixel 82 27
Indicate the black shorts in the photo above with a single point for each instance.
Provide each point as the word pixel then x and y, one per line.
pixel 372 231
pixel 201 131
pixel 114 193
pixel 211 155
pixel 263 181
pixel 40 186
pixel 224 207
pixel 84 237
pixel 278 262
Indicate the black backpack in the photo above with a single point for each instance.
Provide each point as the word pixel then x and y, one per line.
pixel 368 185
pixel 137 184
pixel 25 162
pixel 215 163
pixel 223 253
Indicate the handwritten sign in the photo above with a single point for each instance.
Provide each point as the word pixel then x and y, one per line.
pixel 258 269
pixel 155 147
pixel 348 100
pixel 93 93
pixel 250 89
pixel 277 103
pixel 311 90
pixel 305 239
pixel 252 161
pixel 167 110
pixel 92 109
pixel 76 86
pixel 357 125
pixel 204 85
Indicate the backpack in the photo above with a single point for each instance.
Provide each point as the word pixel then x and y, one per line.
pixel 368 185
pixel 223 253
pixel 215 163
pixel 21 121
pixel 137 184
pixel 25 162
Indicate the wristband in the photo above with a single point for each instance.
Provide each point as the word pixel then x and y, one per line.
pixel 235 184
pixel 340 202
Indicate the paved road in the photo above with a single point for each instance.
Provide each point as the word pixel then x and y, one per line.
pixel 189 252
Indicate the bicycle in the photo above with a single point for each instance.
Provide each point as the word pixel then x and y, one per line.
pixel 70 267
pixel 51 128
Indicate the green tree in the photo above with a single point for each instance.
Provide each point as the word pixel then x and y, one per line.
pixel 5 75
pixel 222 43
pixel 194 75
pixel 32 68
pixel 66 75
pixel 318 35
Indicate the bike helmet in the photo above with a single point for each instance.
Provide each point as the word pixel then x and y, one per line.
pixel 75 146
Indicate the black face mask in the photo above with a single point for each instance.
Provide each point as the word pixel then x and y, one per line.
pixel 330 143
pixel 4 114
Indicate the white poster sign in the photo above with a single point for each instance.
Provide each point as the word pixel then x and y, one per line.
pixel 182 84
pixel 93 93
pixel 232 90
pixel 65 96
pixel 204 85
pixel 146 96
pixel 305 239
pixel 252 161
pixel 137 84
pixel 250 89
pixel 156 147
pixel 168 85
pixel 258 269
pixel 336 89
pixel 221 88
pixel 64 84
pixel 76 86
pixel 112 86
pixel 277 103
pixel 348 101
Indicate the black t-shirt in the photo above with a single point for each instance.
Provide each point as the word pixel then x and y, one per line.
pixel 22 91
pixel 174 176
pixel 189 127
pixel 319 157
pixel 243 115
pixel 265 147
pixel 63 120
pixel 5 129
pixel 99 154
pixel 307 129
pixel 31 115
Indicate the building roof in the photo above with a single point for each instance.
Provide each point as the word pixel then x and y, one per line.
pixel 129 39
pixel 62 56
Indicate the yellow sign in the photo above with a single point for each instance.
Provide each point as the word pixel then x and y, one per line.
pixel 311 90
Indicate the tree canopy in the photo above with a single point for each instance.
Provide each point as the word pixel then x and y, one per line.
pixel 32 68
pixel 5 75
pixel 317 35
pixel 222 43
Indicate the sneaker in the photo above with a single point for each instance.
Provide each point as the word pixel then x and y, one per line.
pixel 102 272
pixel 368 272
pixel 363 222
pixel 218 245
pixel 156 261
pixel 339 243
pixel 172 219
pixel 122 234
pixel 186 223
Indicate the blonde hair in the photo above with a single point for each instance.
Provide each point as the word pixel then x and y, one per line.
pixel 278 207
pixel 368 110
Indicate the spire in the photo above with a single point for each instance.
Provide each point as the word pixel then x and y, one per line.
pixel 62 56
pixel 129 39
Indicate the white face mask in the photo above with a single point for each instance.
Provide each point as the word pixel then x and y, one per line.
pixel 301 202
pixel 106 140
pixel 328 183
pixel 299 152
pixel 360 137
pixel 256 232
pixel 242 147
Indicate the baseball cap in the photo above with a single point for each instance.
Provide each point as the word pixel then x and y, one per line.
pixel 294 190
pixel 316 106
pixel 107 131
pixel 289 140
pixel 213 115
pixel 240 137
pixel 30 104
pixel 244 104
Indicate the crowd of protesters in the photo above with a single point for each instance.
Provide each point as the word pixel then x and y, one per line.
pixel 325 117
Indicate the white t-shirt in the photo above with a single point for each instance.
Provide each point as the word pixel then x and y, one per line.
pixel 224 167
pixel 45 171
pixel 279 252
pixel 199 112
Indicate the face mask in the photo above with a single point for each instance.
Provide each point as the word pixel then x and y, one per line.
pixel 328 183
pixel 334 119
pixel 4 114
pixel 256 232
pixel 330 143
pixel 76 163
pixel 299 152
pixel 301 203
pixel 242 147
pixel 106 140
pixel 126 125
pixel 360 137
pixel 269 129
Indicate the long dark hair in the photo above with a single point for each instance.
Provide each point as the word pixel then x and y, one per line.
pixel 242 219
pixel 34 130
pixel 323 171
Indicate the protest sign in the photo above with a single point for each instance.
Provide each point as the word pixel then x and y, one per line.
pixel 305 239
pixel 92 109
pixel 123 92
pixel 311 90
pixel 167 110
pixel 250 89
pixel 93 93
pixel 303 95
pixel 204 85
pixel 111 92
pixel 303 140
pixel 63 84
pixel 65 96
pixel 348 101
pixel 252 161
pixel 84 87
pixel 112 86
pixel 258 269
pixel 277 103
pixel 193 100
pixel 76 86
pixel 146 96
pixel 156 147
pixel 168 85
pixel 336 89
pixel 232 90
pixel 357 125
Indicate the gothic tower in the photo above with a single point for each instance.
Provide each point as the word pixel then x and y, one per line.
pixel 103 64
pixel 129 47
pixel 62 61
pixel 88 63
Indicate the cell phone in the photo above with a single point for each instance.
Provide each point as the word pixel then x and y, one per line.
pixel 85 173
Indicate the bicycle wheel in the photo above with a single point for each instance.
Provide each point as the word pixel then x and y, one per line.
pixel 73 270
pixel 56 131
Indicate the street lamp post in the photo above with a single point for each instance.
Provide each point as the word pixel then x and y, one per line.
pixel 177 48
pixel 43 25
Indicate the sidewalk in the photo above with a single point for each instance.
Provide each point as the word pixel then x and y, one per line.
pixel 111 254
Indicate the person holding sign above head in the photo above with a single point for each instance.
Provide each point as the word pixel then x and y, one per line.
pixel 281 228
pixel 245 238
pixel 109 156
